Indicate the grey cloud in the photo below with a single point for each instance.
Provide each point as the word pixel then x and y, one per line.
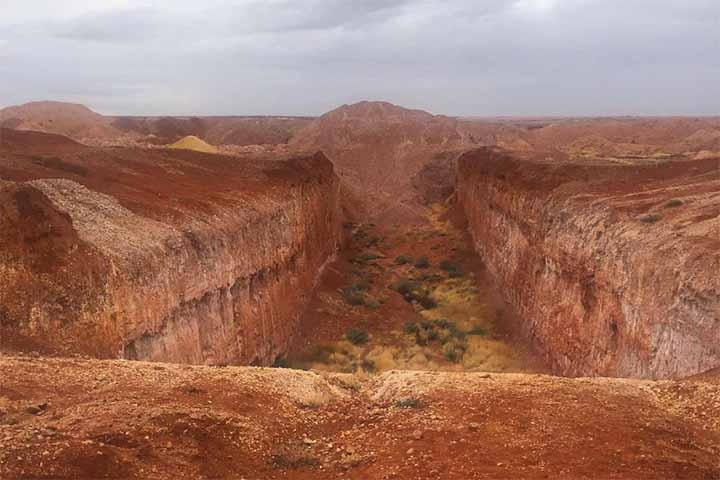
pixel 125 25
pixel 306 56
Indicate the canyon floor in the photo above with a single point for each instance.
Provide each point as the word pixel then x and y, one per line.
pixel 413 297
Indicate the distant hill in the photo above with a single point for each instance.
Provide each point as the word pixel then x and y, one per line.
pixel 71 120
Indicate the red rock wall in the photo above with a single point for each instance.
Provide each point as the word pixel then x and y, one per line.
pixel 603 289
pixel 219 278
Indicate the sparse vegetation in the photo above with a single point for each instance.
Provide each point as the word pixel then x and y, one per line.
pixel 451 268
pixel 652 218
pixel 451 352
pixel 355 293
pixel 413 291
pixel 357 336
pixel 674 203
pixel 366 258
pixel 372 304
pixel 368 365
pixel 422 262
pixel 373 241
pixel 281 362
pixel 353 297
pixel 292 458
pixel 403 260
pixel 479 331
pixel 410 328
pixel 410 402
pixel 447 333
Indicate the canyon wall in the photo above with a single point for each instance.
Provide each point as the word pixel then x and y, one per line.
pixel 613 267
pixel 159 255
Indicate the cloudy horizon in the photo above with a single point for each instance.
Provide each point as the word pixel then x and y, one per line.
pixel 304 57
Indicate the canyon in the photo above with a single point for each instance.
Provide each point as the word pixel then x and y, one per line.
pixel 437 276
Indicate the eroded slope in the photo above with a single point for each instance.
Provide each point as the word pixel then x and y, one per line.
pixel 614 266
pixel 163 254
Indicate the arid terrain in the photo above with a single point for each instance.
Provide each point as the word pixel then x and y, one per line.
pixel 441 297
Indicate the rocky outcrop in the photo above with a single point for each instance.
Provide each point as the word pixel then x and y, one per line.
pixel 161 255
pixel 613 267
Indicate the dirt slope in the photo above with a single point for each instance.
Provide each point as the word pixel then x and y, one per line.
pixel 74 121
pixel 112 419
pixel 381 152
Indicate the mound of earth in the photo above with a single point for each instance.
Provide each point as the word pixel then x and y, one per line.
pixel 193 143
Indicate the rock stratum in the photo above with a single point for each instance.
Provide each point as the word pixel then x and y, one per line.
pixel 613 265
pixel 167 255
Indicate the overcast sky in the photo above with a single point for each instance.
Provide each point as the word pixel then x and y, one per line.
pixel 297 57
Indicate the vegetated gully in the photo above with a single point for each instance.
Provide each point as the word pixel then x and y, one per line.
pixel 413 297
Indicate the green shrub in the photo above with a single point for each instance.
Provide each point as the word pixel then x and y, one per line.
pixel 357 337
pixel 674 203
pixel 426 301
pixel 373 241
pixel 355 293
pixel 368 365
pixel 406 287
pixel 411 328
pixel 360 286
pixel 451 268
pixel 403 260
pixel 456 332
pixel 650 218
pixel 479 331
pixel 371 303
pixel 443 323
pixel 452 353
pixel 422 262
pixel 413 292
pixel 353 297
pixel 429 277
pixel 281 362
pixel 448 266
pixel 410 402
pixel 365 258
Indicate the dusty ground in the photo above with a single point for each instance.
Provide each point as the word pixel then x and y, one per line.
pixel 65 418
pixel 475 329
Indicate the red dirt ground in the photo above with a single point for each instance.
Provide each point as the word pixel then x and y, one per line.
pixel 113 419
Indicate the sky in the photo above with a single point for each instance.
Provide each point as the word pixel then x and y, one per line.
pixel 305 57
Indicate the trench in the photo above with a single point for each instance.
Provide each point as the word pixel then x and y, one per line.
pixel 411 297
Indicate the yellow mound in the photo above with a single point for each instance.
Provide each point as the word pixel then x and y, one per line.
pixel 192 142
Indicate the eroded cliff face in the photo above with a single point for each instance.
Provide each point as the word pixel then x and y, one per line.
pixel 613 267
pixel 160 255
